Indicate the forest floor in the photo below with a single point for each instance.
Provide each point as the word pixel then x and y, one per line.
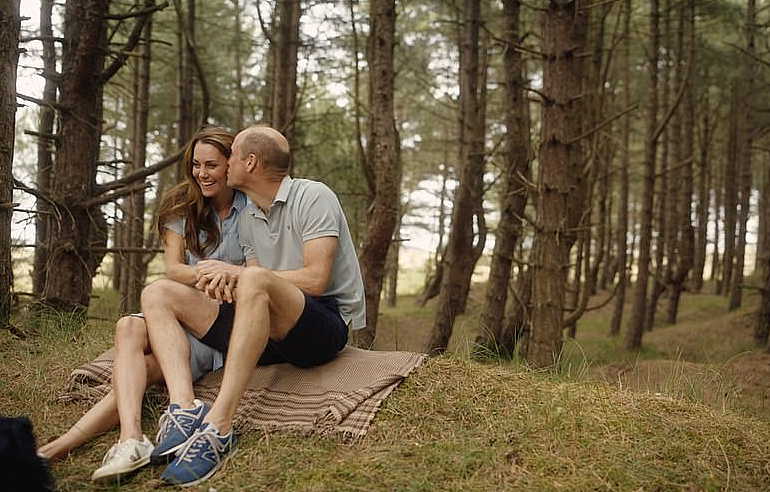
pixel 687 412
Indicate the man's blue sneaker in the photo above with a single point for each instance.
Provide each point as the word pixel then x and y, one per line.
pixel 200 457
pixel 175 426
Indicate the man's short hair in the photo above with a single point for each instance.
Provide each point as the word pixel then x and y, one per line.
pixel 269 145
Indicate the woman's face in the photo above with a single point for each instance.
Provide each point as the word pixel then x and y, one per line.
pixel 209 169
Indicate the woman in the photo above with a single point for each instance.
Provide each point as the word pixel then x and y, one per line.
pixel 197 219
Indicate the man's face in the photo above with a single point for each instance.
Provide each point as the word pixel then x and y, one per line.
pixel 236 168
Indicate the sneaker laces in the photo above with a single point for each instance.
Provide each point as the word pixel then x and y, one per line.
pixel 197 444
pixel 176 418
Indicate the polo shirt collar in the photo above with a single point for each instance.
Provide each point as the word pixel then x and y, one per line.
pixel 283 191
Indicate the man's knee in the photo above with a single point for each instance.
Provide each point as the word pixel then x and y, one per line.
pixel 255 281
pixel 130 330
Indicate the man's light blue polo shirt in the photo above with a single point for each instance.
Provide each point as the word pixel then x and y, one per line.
pixel 303 210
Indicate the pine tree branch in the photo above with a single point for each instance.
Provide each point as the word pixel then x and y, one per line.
pixel 133 38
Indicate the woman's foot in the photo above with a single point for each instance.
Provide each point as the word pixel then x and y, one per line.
pixel 124 457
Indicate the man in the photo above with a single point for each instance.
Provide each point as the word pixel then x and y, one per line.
pixel 300 291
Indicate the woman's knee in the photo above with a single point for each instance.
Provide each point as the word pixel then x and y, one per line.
pixel 158 292
pixel 131 331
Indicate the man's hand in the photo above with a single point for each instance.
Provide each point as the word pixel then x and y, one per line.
pixel 217 279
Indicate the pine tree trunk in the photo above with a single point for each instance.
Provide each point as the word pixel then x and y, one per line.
pixel 560 185
pixel 516 173
pixel 135 204
pixel 736 286
pixel 477 155
pixel 516 327
pixel 716 257
pixel 685 237
pixel 764 220
pixel 702 207
pixel 45 147
pixel 668 183
pixel 285 67
pixel 762 328
pixel 10 26
pixel 623 198
pixel 238 62
pixel 72 264
pixel 383 157
pixel 468 194
pixel 635 328
pixel 184 74
pixel 730 206
pixel 391 264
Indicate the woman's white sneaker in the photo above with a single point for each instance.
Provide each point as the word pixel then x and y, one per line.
pixel 124 457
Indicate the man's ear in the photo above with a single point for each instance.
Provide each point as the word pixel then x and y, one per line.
pixel 252 163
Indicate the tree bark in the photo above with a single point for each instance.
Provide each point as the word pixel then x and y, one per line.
pixel 72 265
pixel 45 146
pixel 135 205
pixel 391 265
pixel 685 234
pixel 748 96
pixel 285 67
pixel 184 109
pixel 10 26
pixel 560 186
pixel 730 196
pixel 383 157
pixel 477 155
pixel 716 257
pixel 635 328
pixel 664 241
pixel 238 61
pixel 81 230
pixel 704 188
pixel 625 161
pixel 516 174
pixel 468 195
pixel 762 328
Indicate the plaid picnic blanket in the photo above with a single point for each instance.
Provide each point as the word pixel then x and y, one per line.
pixel 340 397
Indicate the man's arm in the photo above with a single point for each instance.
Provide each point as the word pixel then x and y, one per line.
pixel 317 260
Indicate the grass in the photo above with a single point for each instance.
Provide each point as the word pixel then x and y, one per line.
pixel 671 417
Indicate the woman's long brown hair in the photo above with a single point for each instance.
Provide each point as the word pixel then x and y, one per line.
pixel 187 201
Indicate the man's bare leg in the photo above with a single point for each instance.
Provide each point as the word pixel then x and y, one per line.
pixel 268 307
pixel 169 306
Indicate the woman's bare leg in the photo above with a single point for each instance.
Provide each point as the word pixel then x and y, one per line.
pixel 99 419
pixel 104 415
pixel 130 376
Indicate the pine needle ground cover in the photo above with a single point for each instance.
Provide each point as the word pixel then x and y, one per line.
pixel 454 424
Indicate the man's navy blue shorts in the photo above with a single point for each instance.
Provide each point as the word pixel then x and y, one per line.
pixel 319 334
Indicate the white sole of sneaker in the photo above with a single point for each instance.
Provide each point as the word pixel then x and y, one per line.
pixel 115 475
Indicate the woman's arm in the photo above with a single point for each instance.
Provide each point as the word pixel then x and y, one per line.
pixel 176 269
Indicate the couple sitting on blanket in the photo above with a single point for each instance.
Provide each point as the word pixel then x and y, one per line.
pixel 297 295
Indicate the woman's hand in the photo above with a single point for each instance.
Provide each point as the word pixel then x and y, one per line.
pixel 217 279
